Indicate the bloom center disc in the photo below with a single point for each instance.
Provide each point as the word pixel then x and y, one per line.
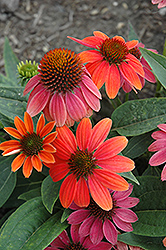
pixel 75 246
pixel 31 144
pixel 135 52
pixel 60 70
pixel 81 163
pixel 114 51
pixel 98 212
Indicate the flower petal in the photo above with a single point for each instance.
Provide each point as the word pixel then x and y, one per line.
pixel 47 129
pixel 99 193
pixel 90 56
pixel 100 34
pixel 113 82
pixel 19 124
pixel 128 202
pixel 50 138
pixel 82 197
pixel 127 227
pixel 126 215
pixel 13 132
pixel 12 150
pixel 78 216
pixel 40 124
pixel 163 174
pixel 83 133
pixel 157 145
pixel 131 44
pixel 85 227
pixel 49 148
pixel 36 162
pixel 90 41
pixel 31 84
pixel 9 144
pixel 158 158
pixel 27 167
pixel 17 162
pixel 67 190
pixel 67 137
pixel 59 171
pixel 100 74
pixel 135 64
pixel 46 157
pixel 99 133
pixel 28 123
pixel 87 81
pixel 110 231
pixel 96 231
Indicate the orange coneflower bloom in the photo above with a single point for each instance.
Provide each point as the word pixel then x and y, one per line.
pixel 34 147
pixel 90 164
pixel 110 61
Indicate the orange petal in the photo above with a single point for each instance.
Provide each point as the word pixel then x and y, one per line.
pixel 46 157
pixel 28 122
pixel 100 74
pixel 120 38
pixel 27 167
pixel 135 64
pixel 92 66
pixel 13 132
pixel 17 162
pixel 131 44
pixel 36 162
pixel 68 190
pixel 111 147
pixel 20 125
pixel 99 193
pixel 8 144
pixel 90 56
pixel 99 133
pixel 128 73
pixel 67 137
pixel 40 124
pixel 111 180
pixel 47 129
pixel 50 138
pixel 100 34
pixel 113 82
pixel 49 148
pixel 11 151
pixel 83 133
pixel 59 171
pixel 82 197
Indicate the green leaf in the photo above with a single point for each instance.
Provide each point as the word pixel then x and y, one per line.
pixel 11 62
pixel 151 208
pixel 31 227
pixel 7 179
pixel 137 145
pixel 30 194
pixel 139 116
pixel 130 176
pixel 50 192
pixel 147 243
pixel 157 63
pixel 12 102
pixel 132 34
pixel 4 81
pixel 66 214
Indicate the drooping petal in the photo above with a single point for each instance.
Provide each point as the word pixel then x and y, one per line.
pixel 110 231
pixel 9 144
pixel 40 124
pixel 91 86
pixel 74 233
pixel 113 82
pixel 158 158
pixel 126 215
pixel 46 157
pixel 99 133
pixel 100 74
pixel 31 84
pixel 83 133
pixel 78 216
pixel 28 123
pixel 90 41
pixel 163 174
pixel 82 197
pixel 67 137
pixel 47 129
pixel 135 64
pixel 96 231
pixel 67 190
pixel 36 162
pixel 149 76
pixel 111 180
pixel 17 162
pixel 85 227
pixel 99 193
pixel 75 107
pixel 13 132
pixel 19 124
pixel 57 109
pixel 127 227
pixel 59 171
pixel 27 167
pixel 111 147
pixel 90 56
pixel 117 164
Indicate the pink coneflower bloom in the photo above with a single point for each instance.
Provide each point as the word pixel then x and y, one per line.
pixel 111 59
pixel 161 3
pixel 159 145
pixel 98 223
pixel 149 76
pixel 122 246
pixel 34 147
pixel 63 89
pixel 89 164
pixel 78 242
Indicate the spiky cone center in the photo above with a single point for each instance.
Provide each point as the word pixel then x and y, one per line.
pixel 61 70
pixel 81 163
pixel 135 52
pixel 98 212
pixel 31 144
pixel 114 51
pixel 75 246
pixel 27 69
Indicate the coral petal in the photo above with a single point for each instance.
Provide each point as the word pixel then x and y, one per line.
pixel 82 198
pixel 131 44
pixel 100 34
pixel 135 64
pixel 68 138
pixel 83 133
pixel 90 56
pixel 100 74
pixel 113 82
pixel 49 148
pixel 59 171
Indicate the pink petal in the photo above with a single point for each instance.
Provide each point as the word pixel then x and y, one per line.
pixel 163 174
pixel 158 158
pixel 99 133
pixel 101 245
pixel 126 215
pixel 128 202
pixel 74 233
pixel 31 84
pixel 121 246
pixel 86 226
pixel 87 81
pixel 96 231
pixel 61 241
pixel 162 127
pixel 57 109
pixel 127 227
pixel 149 75
pixel 157 145
pixel 135 64
pixel 159 135
pixel 75 107
pixel 110 231
pixel 121 195
pixel 83 133
pixel 78 216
